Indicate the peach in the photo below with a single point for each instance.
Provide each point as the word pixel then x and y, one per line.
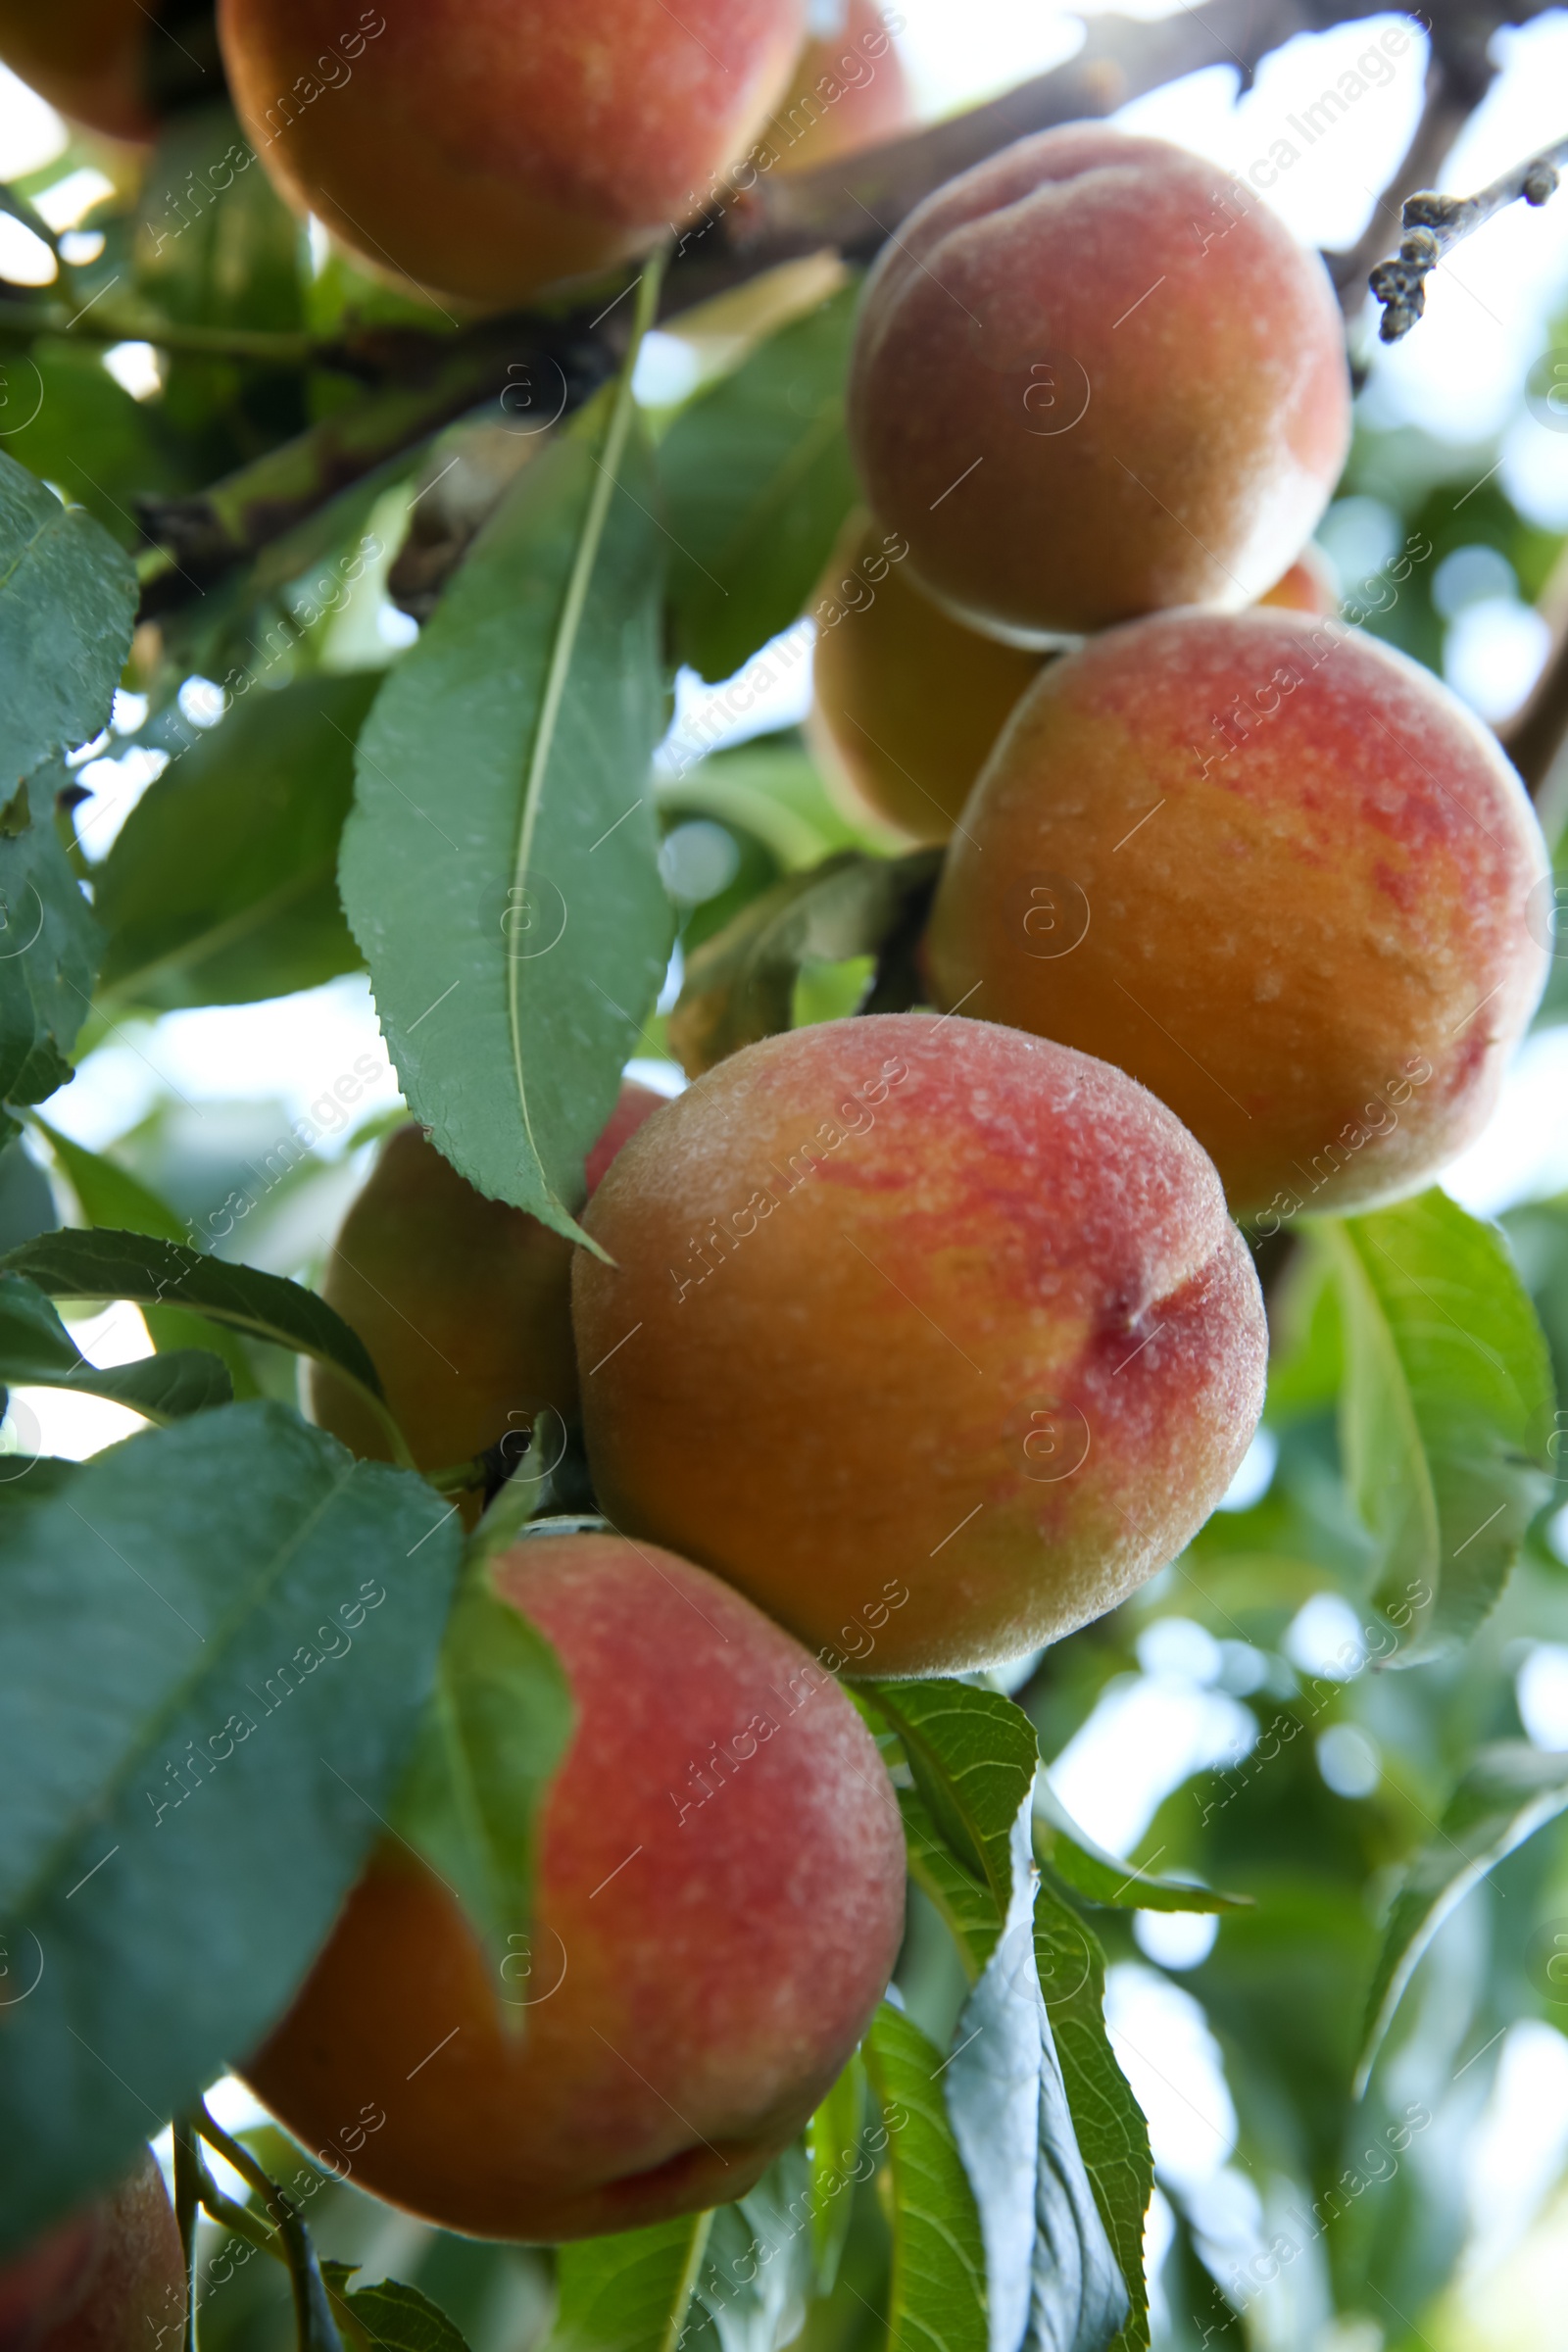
pixel 110 2280
pixel 850 91
pixel 719 1901
pixel 907 701
pixel 1093 376
pixel 463 1304
pixel 1274 870
pixel 489 149
pixel 934 1338
pixel 87 57
pixel 1307 587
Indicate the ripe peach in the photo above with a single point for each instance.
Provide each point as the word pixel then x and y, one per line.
pixel 463 1303
pixel 112 2280
pixel 907 701
pixel 934 1340
pixel 718 1904
pixel 489 149
pixel 1307 587
pixel 850 91
pixel 87 57
pixel 1093 376
pixel 1273 869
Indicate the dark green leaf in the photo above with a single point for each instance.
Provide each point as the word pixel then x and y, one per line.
pixel 740 984
pixel 387 2315
pixel 197 1665
pixel 974 1756
pixel 38 1352
pixel 1446 1414
pixel 629 2293
pixel 108 1264
pixel 26 1202
pixel 49 942
pixel 497 1724
pixel 938 2296
pixel 499 867
pixel 87 433
pixel 756 480
pixel 1510 1791
pixel 832 2148
pixel 1102 1876
pixel 67 597
pixel 1107 2120
pixel 223 885
pixel 111 1197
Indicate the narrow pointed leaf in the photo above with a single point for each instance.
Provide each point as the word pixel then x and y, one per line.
pixel 1510 1791
pixel 1446 1413
pixel 1103 1877
pixel 938 2294
pixel 499 869
pixel 105 1265
pixel 758 479
pixel 497 1723
pixel 974 1756
pixel 387 2316
pixel 36 1351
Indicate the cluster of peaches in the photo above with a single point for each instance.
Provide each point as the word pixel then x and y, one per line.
pixel 907 1342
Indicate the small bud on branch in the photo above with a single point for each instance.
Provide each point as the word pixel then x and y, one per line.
pixel 1433 224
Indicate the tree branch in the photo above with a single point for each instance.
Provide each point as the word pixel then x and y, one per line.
pixel 1446 107
pixel 1536 734
pixel 1433 224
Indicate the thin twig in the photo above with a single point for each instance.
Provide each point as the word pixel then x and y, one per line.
pixel 1447 105
pixel 1433 224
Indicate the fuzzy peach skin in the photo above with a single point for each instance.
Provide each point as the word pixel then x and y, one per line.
pixel 719 1905
pixel 1095 376
pixel 488 149
pixel 110 2280
pixel 1307 587
pixel 1276 871
pixel 850 91
pixel 934 1338
pixel 906 702
pixel 87 57
pixel 465 1303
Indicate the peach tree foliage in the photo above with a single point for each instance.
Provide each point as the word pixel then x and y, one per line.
pixel 191 1789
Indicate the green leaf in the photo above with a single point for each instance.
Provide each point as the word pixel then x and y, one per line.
pixel 387 2315
pixel 500 865
pixel 938 2292
pixel 497 1723
pixel 832 2145
pixel 223 885
pixel 973 1755
pixel 1122 1886
pixel 757 2273
pixel 111 1197
pixel 629 2293
pixel 756 480
pixel 108 1194
pixel 197 1666
pixel 49 941
pixel 68 598
pixel 1107 2122
pixel 740 984
pixel 1055 2269
pixel 1509 1792
pixel 88 434
pixel 1446 1414
pixel 38 1352
pixel 109 1264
